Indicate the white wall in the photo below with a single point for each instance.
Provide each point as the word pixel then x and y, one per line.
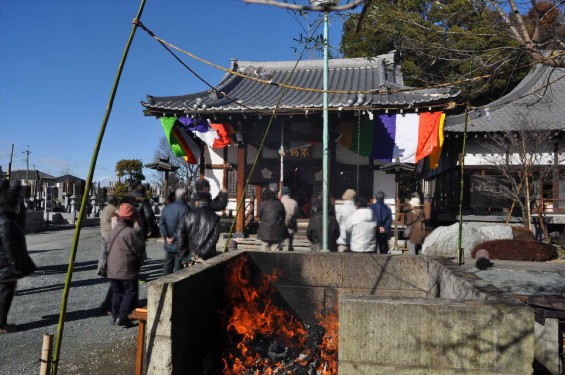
pixel 477 155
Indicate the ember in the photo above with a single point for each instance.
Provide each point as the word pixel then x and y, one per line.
pixel 266 339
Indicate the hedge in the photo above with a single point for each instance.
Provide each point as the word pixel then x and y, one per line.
pixel 523 233
pixel 524 250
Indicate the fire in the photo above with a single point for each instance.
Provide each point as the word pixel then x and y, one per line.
pixel 269 340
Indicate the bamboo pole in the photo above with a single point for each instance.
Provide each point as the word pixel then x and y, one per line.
pixel 72 256
pixel 460 259
pixel 46 354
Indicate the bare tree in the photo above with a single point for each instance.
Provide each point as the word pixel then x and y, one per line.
pixel 521 156
pixel 541 30
pixel 313 5
pixel 183 176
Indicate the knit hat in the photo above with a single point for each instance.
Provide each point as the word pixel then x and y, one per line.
pixel 415 202
pixel 285 190
pixel 349 194
pixel 126 211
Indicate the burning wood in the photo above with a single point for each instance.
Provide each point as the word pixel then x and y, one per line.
pixel 266 339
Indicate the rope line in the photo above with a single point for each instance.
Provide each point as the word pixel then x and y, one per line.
pixel 310 89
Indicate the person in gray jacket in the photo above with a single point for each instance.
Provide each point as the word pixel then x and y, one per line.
pixel 125 258
pixel 168 224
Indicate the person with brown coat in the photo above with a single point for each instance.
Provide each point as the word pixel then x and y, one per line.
pixel 415 221
pixel 125 257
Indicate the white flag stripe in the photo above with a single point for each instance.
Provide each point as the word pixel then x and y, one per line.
pixel 406 137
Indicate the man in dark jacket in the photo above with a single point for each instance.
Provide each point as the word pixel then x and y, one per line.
pixel 149 222
pixel 171 216
pixel 15 262
pixel 271 226
pixel 383 216
pixel 198 231
pixel 314 232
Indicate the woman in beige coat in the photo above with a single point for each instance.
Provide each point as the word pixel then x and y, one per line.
pixel 415 220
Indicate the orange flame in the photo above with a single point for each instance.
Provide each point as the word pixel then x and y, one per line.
pixel 254 316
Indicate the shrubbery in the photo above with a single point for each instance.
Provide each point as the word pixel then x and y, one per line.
pixel 523 233
pixel 524 250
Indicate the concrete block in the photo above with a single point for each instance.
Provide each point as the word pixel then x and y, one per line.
pixel 383 293
pixel 375 271
pixel 304 302
pixel 352 368
pixel 547 342
pixel 515 335
pixel 158 355
pixel 302 269
pixel 428 333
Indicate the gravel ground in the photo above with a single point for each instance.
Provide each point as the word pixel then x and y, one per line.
pixel 91 345
pixel 528 278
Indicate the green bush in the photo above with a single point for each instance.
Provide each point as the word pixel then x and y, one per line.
pixel 524 250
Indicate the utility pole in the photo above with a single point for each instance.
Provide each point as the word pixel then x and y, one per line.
pixel 27 152
pixel 10 165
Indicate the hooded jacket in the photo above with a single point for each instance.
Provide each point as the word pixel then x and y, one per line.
pixel 126 252
pixel 342 213
pixel 361 229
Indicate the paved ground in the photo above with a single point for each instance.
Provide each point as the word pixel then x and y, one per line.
pixel 91 345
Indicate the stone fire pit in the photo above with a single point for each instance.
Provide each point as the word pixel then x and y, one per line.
pixel 397 314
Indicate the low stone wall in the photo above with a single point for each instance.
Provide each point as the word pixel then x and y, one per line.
pixel 434 336
pixel 397 314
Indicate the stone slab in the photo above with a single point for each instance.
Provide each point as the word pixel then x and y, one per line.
pixel 430 333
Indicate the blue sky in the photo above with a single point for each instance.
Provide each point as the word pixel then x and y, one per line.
pixel 59 58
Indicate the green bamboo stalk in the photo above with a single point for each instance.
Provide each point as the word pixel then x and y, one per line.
pixel 462 185
pixel 72 256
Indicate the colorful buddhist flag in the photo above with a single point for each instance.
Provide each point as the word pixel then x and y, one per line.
pixel 180 141
pixel 214 136
pixel 408 137
pixel 436 152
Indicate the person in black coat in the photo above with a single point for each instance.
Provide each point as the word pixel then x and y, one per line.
pixel 150 228
pixel 15 262
pixel 314 232
pixel 198 231
pixel 271 230
pixel 172 215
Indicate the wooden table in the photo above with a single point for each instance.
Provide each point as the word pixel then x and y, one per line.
pixel 140 314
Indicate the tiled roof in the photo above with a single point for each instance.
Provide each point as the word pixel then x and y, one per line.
pixel 68 177
pixel 539 101
pixel 21 175
pixel 380 75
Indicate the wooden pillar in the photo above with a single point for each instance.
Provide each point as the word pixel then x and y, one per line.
pixel 202 161
pixel 241 164
pixel 166 185
pixel 258 196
